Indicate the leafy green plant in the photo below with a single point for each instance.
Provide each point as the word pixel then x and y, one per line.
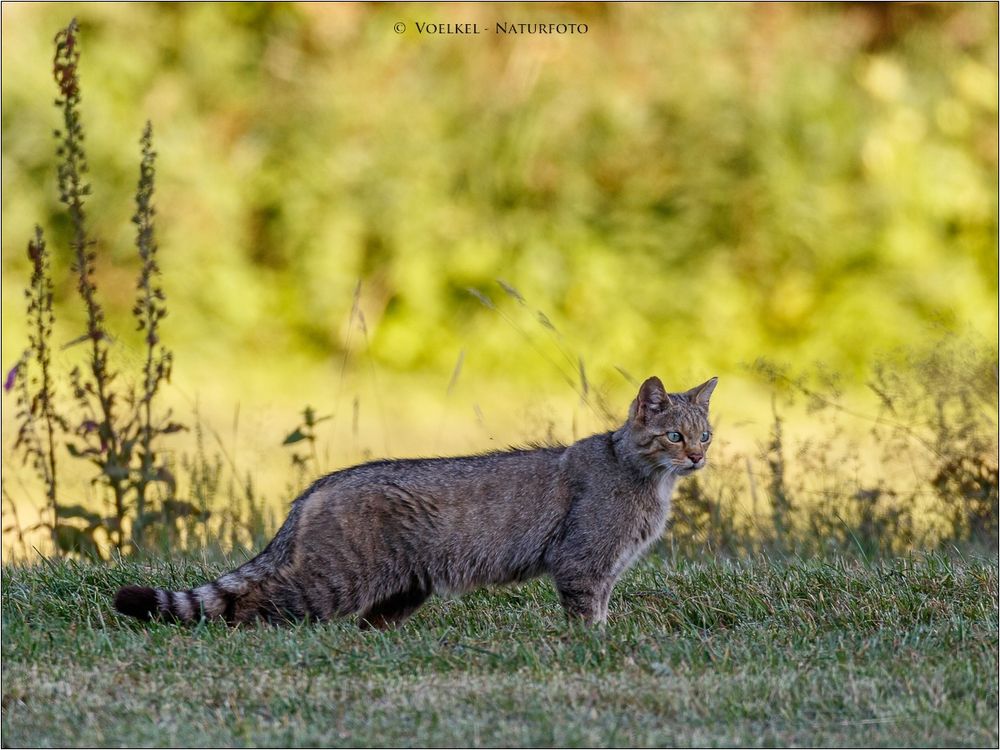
pixel 305 432
pixel 150 309
pixel 115 427
pixel 39 424
pixel 99 432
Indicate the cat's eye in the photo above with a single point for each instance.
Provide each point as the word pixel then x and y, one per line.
pixel 674 437
pixel 706 436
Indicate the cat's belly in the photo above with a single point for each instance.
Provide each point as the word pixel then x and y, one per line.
pixel 460 579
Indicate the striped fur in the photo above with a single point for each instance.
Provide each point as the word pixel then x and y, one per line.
pixel 376 540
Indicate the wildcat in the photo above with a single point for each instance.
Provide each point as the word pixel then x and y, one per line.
pixel 377 539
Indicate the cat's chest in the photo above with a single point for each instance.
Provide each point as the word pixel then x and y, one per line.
pixel 663 491
pixel 656 515
pixel 649 522
pixel 653 515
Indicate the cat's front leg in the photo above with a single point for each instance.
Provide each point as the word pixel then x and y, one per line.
pixel 585 599
pixel 605 597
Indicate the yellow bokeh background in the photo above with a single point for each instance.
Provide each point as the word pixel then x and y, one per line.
pixel 681 190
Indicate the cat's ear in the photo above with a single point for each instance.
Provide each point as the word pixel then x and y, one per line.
pixel 652 399
pixel 700 394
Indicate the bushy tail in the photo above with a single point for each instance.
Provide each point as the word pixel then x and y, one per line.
pixel 258 588
pixel 217 599
pixel 208 601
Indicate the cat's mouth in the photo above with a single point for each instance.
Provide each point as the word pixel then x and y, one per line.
pixel 690 467
pixel 682 469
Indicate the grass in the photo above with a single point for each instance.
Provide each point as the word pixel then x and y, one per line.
pixel 901 652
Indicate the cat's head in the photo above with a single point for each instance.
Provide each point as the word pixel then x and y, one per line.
pixel 671 430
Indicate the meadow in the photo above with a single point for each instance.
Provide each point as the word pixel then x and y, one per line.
pixel 753 653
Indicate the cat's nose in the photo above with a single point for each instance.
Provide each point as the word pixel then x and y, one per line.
pixel 696 457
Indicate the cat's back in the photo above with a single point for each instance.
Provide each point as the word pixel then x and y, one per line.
pixel 511 469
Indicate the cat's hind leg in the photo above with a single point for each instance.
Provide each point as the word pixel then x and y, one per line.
pixel 393 610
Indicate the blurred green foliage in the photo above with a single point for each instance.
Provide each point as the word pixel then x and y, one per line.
pixel 683 187
pixel 354 217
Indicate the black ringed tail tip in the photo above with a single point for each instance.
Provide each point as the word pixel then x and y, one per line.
pixel 136 601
